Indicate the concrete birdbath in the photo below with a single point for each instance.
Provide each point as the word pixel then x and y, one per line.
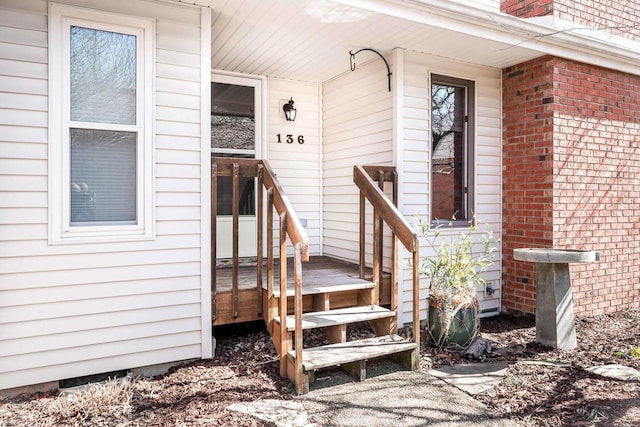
pixel 555 321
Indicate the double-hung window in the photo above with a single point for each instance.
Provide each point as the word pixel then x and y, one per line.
pixel 452 149
pixel 101 174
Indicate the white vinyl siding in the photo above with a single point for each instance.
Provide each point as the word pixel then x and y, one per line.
pixel 357 118
pixel 415 170
pixel 298 165
pixel 73 310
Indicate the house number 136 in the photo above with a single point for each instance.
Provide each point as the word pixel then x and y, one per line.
pixel 289 139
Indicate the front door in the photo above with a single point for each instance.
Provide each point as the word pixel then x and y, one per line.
pixel 236 132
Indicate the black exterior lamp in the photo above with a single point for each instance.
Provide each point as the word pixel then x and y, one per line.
pixel 289 111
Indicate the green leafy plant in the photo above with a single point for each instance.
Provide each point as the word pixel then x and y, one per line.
pixel 633 352
pixel 462 255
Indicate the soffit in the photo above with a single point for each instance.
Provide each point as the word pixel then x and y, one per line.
pixel 310 40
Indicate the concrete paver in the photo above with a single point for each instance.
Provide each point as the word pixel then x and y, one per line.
pixel 393 397
pixel 620 372
pixel 472 378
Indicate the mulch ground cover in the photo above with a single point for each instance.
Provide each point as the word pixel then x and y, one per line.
pixel 544 387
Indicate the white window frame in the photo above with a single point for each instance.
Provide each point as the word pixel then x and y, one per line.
pixel 61 18
pixel 471 95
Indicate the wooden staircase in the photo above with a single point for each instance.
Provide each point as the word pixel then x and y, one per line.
pixel 328 300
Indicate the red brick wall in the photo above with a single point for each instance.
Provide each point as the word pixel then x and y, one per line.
pixel 527 175
pixel 527 8
pixel 619 17
pixel 574 183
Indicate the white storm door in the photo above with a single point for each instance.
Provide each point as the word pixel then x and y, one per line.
pixel 236 123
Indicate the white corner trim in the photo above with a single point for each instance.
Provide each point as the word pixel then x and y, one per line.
pixel 205 183
pixel 397 87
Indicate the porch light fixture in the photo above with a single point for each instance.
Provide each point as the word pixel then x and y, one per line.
pixel 289 111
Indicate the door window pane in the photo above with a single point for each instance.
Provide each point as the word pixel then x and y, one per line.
pixel 103 76
pixel 232 117
pixel 103 176
pixel 233 134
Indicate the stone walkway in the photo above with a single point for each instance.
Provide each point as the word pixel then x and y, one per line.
pixel 393 397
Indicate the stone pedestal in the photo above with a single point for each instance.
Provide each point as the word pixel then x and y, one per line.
pixel 555 321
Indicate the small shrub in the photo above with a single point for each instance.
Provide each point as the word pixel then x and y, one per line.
pixel 110 400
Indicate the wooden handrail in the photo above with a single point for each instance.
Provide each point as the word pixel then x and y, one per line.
pixel 290 223
pixel 386 211
pixel 290 227
pixel 296 232
pixel 255 168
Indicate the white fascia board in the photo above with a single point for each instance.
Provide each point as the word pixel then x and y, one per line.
pixel 196 3
pixel 543 36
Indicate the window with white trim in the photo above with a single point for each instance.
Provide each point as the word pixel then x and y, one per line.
pixel 100 127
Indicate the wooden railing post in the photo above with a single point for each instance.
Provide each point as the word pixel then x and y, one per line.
pixel 415 263
pixel 394 256
pixel 297 281
pixel 283 292
pixel 377 258
pixel 235 238
pixel 380 235
pixel 259 225
pixel 362 234
pixel 290 228
pixel 271 310
pixel 214 231
pixel 401 231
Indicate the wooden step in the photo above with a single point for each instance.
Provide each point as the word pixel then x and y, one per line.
pixel 325 285
pixel 353 351
pixel 343 316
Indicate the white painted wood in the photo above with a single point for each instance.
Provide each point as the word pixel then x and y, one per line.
pixel 298 166
pixel 95 321
pixel 358 129
pixel 206 330
pixel 247 225
pixel 71 310
pixel 45 279
pixel 179 350
pixel 48 343
pixel 488 161
pixel 248 36
pixel 102 350
pixel 23 102
pixel 18 52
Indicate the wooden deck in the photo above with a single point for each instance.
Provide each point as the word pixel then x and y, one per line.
pixel 319 275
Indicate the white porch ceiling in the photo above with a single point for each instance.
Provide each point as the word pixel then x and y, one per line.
pixel 310 40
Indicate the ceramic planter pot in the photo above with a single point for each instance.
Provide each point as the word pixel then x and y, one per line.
pixel 462 329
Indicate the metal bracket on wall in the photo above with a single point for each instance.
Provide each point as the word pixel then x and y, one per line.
pixel 352 62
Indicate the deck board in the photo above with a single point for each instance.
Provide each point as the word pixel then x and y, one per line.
pixel 321 275
pixel 317 275
pixel 352 351
pixel 322 319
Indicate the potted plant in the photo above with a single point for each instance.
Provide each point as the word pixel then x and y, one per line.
pixel 455 273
